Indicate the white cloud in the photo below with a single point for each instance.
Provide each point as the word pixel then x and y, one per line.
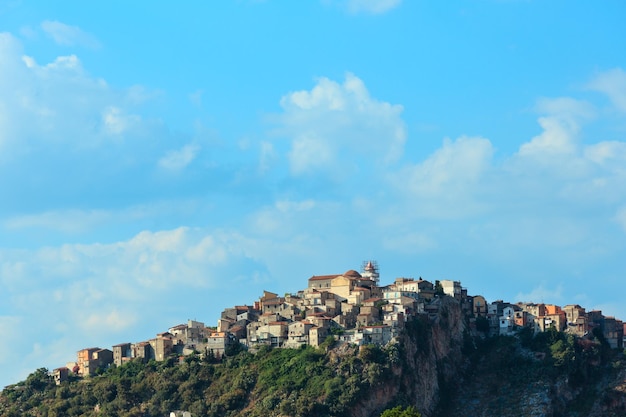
pixel 454 182
pixel 70 62
pixel 70 221
pixel 107 292
pixel 450 169
pixel 458 203
pixel 150 261
pixel 557 138
pixel 109 322
pixel 372 6
pixel 410 243
pixel 333 125
pixel 67 35
pixel 179 159
pixel 28 32
pixel 116 122
pixel 286 206
pixel 613 84
pixel 556 165
pixel 309 154
pixel 58 102
pixel 9 325
pixel 138 94
pixel 565 108
pixel 542 294
pixel 603 153
pixel 48 103
pixel 557 152
pixel 267 156
pixel 561 126
pixel 306 217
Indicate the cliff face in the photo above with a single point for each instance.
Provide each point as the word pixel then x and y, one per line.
pixel 444 372
pixel 435 366
pixel 550 375
pixel 430 361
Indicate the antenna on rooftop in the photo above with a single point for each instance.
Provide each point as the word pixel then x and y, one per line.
pixel 369 269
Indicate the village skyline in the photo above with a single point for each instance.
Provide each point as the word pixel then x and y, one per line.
pixel 161 161
pixel 351 308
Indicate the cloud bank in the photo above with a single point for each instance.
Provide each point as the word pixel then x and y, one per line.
pixel 121 226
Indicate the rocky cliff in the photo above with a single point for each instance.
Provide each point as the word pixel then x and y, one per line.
pixel 446 371
pixel 429 364
pixel 437 366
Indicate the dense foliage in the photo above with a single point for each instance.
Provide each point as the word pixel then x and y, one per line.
pixel 401 412
pixel 516 375
pixel 291 382
pixel 502 376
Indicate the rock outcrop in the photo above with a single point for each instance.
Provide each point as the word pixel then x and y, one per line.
pixel 430 362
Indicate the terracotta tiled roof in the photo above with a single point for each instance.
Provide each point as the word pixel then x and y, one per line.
pixel 352 273
pixel 322 277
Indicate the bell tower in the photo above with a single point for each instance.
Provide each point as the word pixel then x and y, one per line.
pixel 370 270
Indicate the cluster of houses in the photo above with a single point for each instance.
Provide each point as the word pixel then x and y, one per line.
pixel 351 307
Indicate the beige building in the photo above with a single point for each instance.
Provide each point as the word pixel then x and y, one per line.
pixel 577 322
pixel 218 342
pixel 163 345
pixel 479 306
pixel 91 359
pixel 60 375
pixel 321 282
pixel 451 288
pixel 122 353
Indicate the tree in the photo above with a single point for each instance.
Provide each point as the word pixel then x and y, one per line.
pixel 482 324
pixel 439 289
pixel 398 411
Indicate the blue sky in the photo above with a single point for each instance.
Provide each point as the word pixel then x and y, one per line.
pixel 160 163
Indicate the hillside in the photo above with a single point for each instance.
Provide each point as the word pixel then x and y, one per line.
pixel 439 366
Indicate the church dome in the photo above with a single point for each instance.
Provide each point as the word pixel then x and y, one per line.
pixel 352 274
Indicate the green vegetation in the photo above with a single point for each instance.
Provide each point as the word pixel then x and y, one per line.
pixel 504 376
pixel 439 289
pixel 291 382
pixel 512 374
pixel 401 412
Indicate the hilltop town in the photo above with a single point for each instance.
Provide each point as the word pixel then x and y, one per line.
pixel 351 308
